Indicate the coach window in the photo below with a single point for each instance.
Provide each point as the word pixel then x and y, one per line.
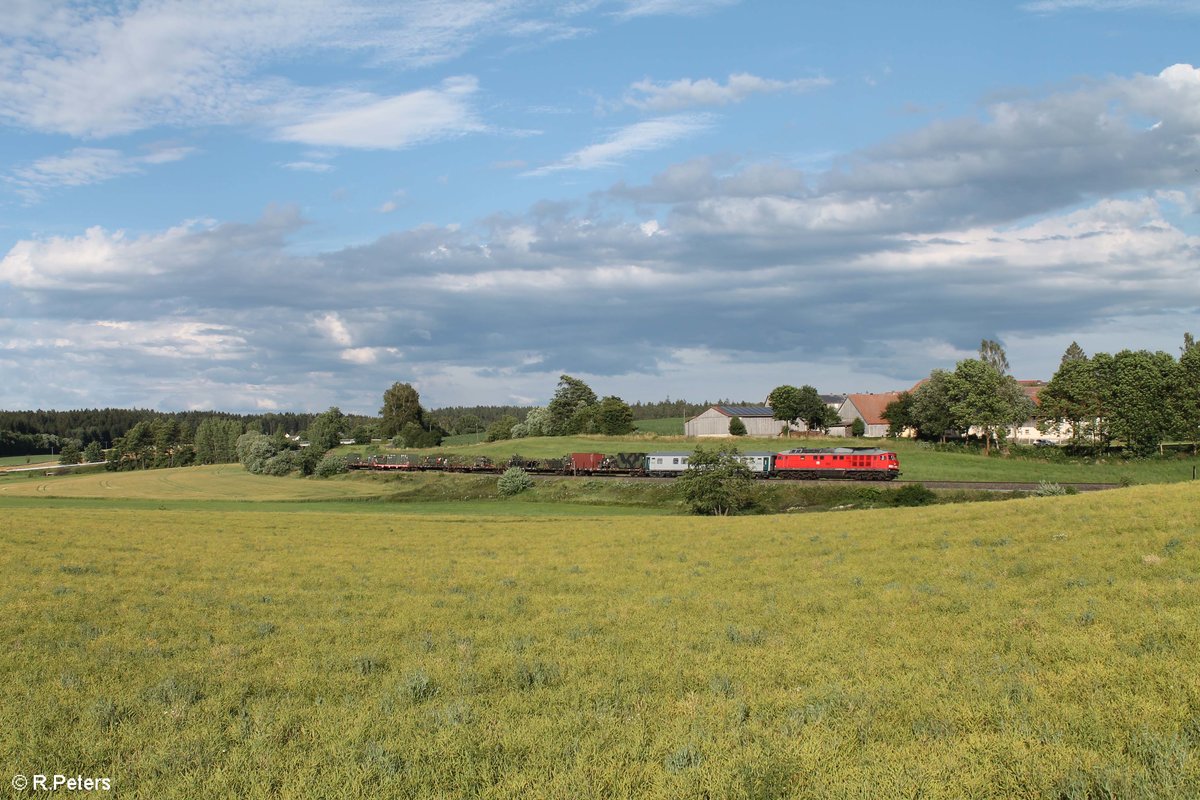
pixel 674 460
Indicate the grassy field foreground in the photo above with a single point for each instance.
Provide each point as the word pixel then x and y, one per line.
pixel 1036 648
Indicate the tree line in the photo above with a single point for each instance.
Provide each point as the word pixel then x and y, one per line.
pixel 40 431
pixel 574 409
pixel 978 394
pixel 459 420
pixel 1135 397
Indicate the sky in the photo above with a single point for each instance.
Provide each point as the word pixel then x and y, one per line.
pixel 266 206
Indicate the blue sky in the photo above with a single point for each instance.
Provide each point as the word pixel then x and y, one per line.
pixel 259 206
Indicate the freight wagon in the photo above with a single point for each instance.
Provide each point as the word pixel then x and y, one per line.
pixel 849 463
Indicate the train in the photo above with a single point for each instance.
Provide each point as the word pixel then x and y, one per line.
pixel 804 463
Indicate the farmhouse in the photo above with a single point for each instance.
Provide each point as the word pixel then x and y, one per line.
pixel 869 408
pixel 714 421
pixel 1029 431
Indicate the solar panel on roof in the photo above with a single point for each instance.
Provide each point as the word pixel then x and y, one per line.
pixel 747 411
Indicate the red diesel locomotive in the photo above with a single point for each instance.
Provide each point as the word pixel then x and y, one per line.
pixel 850 463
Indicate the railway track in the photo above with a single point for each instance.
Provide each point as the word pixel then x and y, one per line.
pixel 986 486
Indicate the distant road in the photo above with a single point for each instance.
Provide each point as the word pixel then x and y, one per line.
pixel 51 466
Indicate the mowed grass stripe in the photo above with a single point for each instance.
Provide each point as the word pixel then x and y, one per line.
pixel 221 482
pixel 1037 648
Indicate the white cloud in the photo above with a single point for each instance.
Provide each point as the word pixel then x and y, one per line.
pixel 95 260
pixel 688 93
pixel 331 325
pixel 389 123
pixel 308 166
pixel 1037 219
pixel 86 165
pixel 647 8
pixel 194 252
pixel 368 355
pixel 91 70
pixel 640 137
pixel 1054 6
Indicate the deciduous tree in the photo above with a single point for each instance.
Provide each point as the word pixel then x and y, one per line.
pixel 324 432
pixel 614 417
pixel 984 398
pixel 786 403
pixel 930 409
pixel 501 428
pixel 93 453
pixel 571 397
pixel 70 453
pixel 716 482
pixel 1187 395
pixel 401 405
pixel 1072 397
pixel 992 353
pixel 898 413
pixel 1141 389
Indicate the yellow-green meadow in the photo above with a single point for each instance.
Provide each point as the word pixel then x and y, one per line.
pixel 1034 648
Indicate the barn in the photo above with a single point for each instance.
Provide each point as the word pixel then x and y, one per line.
pixel 869 408
pixel 714 421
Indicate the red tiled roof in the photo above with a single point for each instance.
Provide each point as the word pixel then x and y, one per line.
pixel 871 406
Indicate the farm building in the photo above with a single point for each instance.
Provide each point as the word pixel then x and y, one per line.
pixel 715 421
pixel 869 408
pixel 1028 431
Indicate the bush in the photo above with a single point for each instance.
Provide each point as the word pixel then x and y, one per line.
pixel 514 481
pixel 1047 489
pixel 716 482
pixel 331 465
pixel 501 429
pixel 280 464
pixel 858 427
pixel 914 494
pixel 93 453
pixel 736 427
pixel 254 450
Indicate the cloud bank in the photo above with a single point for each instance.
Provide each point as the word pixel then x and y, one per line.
pixel 1035 219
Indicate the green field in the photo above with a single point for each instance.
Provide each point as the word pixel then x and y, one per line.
pixel 672 426
pixel 229 487
pixel 27 461
pixel 1034 648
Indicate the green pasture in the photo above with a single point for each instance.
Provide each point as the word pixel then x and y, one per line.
pixel 463 439
pixel 918 462
pixel 1038 648
pixel 27 461
pixel 671 426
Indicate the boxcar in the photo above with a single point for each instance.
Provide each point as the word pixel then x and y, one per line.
pixel 586 463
